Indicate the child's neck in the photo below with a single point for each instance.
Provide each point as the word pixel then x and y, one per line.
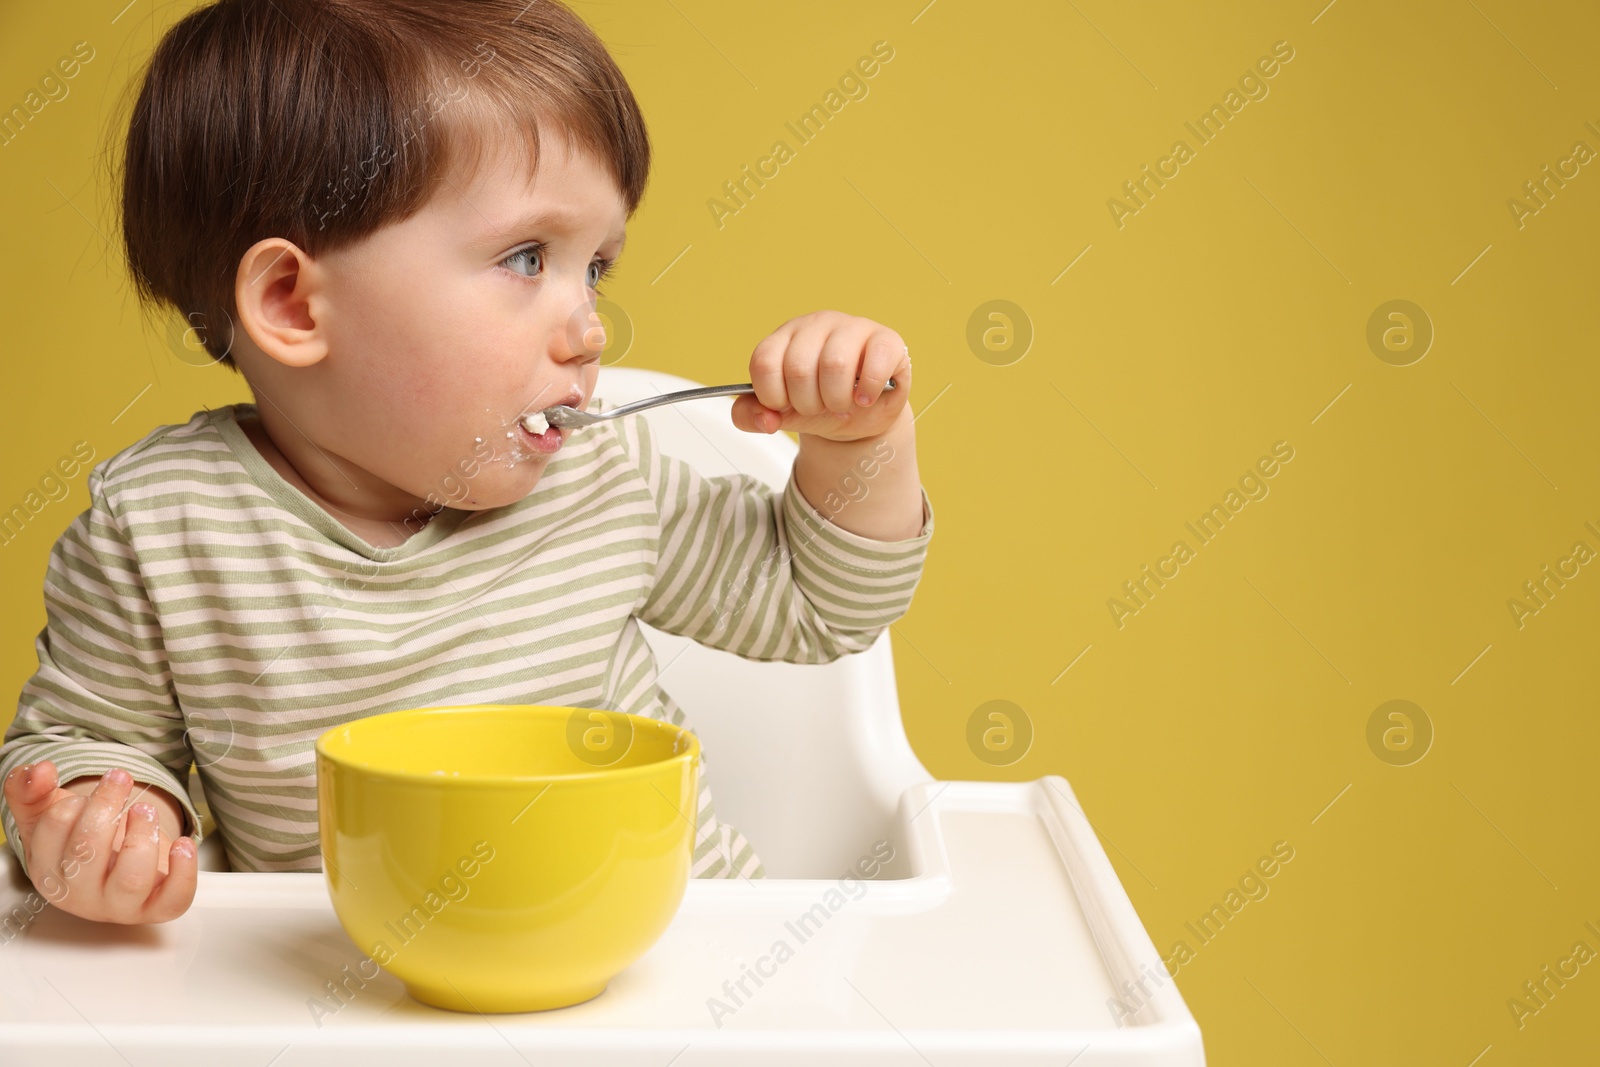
pixel 377 532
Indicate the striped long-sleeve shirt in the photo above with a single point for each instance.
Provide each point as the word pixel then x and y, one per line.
pixel 202 609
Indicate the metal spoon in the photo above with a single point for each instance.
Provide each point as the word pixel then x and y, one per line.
pixel 566 417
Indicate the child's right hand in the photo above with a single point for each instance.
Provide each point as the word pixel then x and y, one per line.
pixel 71 841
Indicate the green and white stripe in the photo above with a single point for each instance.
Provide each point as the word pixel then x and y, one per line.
pixel 204 609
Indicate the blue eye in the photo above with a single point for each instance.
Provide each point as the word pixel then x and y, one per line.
pixel 598 271
pixel 522 255
pixel 603 269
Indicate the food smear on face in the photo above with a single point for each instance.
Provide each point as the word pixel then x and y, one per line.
pixel 526 437
pixel 514 451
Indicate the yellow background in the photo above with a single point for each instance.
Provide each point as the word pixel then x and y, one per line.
pixel 1228 314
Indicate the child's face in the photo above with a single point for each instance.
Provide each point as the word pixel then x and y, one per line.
pixel 444 328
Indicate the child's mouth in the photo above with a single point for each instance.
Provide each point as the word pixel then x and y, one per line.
pixel 548 440
pixel 537 431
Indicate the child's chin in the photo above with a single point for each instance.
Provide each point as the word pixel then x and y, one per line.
pixel 500 496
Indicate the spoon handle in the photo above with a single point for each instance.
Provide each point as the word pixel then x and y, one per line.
pixel 694 394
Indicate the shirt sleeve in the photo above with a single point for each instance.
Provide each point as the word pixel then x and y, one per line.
pixel 102 695
pixel 763 574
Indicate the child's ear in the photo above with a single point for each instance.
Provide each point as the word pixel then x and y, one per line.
pixel 280 297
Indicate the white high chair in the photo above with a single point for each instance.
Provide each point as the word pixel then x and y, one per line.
pixel 997 933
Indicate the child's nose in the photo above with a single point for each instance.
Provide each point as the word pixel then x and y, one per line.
pixel 585 334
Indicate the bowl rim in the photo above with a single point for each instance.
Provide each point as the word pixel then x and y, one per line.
pixel 691 752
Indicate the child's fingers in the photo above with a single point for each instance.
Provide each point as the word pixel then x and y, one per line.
pixel 49 841
pixel 89 842
pixel 28 792
pixel 161 853
pixel 800 367
pixel 133 872
pixel 837 366
pixel 766 370
pixel 886 357
pixel 176 891
pixel 750 415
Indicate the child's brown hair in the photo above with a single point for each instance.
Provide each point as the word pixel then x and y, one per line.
pixel 320 121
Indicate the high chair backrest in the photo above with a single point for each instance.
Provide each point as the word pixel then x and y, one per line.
pixel 808 760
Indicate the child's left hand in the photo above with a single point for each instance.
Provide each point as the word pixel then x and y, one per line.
pixel 813 367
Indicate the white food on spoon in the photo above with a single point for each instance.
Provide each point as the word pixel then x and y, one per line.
pixel 536 423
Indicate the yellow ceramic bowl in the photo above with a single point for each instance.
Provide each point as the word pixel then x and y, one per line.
pixel 503 858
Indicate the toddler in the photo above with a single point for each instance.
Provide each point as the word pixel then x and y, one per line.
pixel 392 218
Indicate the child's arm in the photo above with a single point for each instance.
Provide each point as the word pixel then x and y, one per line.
pixel 769 576
pixel 102 695
pixel 834 478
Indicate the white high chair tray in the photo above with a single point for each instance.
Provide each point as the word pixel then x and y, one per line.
pixel 1005 945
